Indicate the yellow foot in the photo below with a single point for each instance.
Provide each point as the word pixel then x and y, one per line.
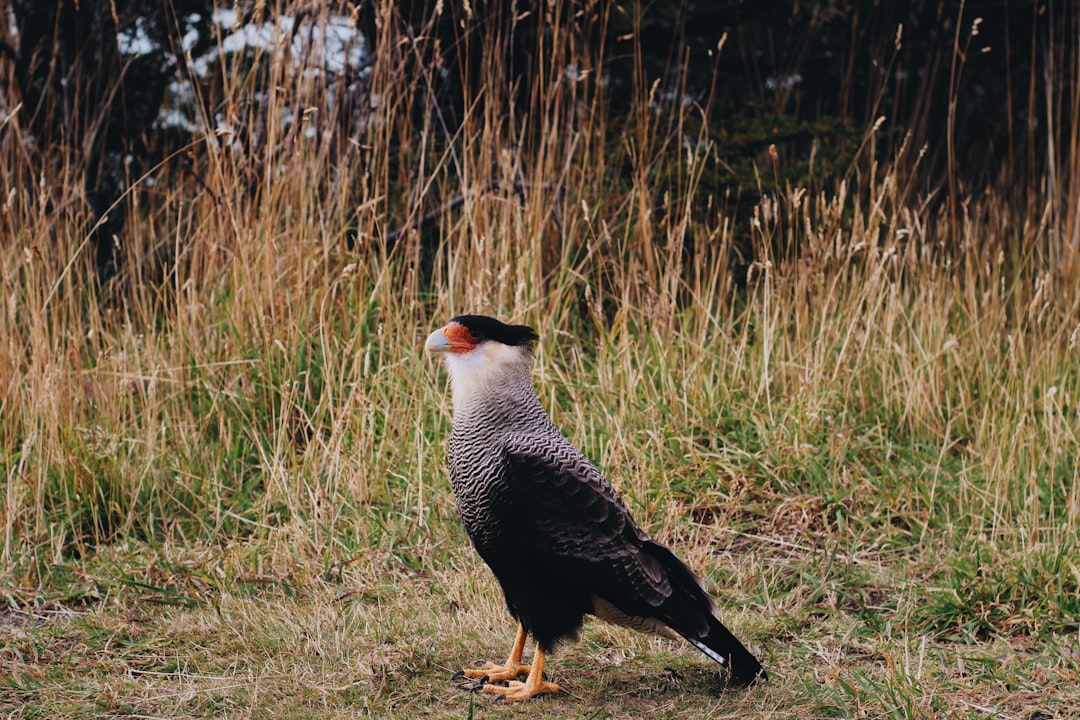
pixel 518 691
pixel 498 673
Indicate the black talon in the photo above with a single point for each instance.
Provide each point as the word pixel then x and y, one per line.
pixel 470 684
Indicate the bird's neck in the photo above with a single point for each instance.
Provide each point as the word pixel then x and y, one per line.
pixel 503 398
pixel 491 377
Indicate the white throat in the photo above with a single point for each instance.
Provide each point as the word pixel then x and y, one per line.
pixel 489 368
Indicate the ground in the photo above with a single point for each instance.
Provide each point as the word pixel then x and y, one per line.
pixel 372 639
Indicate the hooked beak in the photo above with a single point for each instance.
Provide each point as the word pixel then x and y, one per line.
pixel 437 342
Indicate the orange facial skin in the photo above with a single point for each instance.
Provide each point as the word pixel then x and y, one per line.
pixel 461 340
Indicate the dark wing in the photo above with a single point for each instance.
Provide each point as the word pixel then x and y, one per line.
pixel 570 513
pixel 571 516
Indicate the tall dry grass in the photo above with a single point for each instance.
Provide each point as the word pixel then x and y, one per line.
pixel 908 374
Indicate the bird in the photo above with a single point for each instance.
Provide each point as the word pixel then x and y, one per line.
pixel 558 538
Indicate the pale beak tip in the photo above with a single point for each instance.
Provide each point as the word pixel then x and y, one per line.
pixel 437 342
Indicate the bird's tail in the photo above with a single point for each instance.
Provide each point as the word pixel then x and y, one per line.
pixel 723 647
pixel 690 613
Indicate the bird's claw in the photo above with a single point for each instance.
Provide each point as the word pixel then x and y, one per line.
pixel 472 682
pixel 515 691
pixel 500 699
pixel 472 685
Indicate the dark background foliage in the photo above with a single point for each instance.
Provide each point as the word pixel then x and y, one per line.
pixel 86 104
pixel 979 85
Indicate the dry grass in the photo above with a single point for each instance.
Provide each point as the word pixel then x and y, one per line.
pixel 222 473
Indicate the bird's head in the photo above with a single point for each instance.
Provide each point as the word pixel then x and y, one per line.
pixel 480 351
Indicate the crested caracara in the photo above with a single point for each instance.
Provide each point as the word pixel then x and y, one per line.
pixel 555 533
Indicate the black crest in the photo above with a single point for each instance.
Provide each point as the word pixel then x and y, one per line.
pixel 488 328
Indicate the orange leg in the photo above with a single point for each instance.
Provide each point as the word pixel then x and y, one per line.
pixel 509 671
pixel 533 685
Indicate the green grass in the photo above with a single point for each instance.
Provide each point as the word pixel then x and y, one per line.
pixel 839 635
pixel 222 473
